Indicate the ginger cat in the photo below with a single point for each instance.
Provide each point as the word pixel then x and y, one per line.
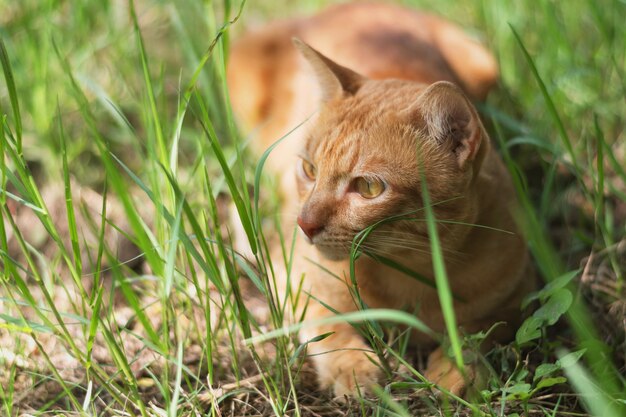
pixel 389 99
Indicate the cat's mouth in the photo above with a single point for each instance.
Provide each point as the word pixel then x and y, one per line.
pixel 331 247
pixel 333 251
pixel 382 242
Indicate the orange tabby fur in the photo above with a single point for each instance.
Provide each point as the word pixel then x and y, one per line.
pixel 392 116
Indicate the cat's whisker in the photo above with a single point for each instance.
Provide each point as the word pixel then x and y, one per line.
pixel 409 239
pixel 402 236
pixel 393 249
pixel 404 244
pixel 447 223
pixel 399 244
pixel 378 250
pixel 453 259
pixel 415 246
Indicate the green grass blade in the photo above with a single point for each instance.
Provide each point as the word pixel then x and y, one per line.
pixel 209 263
pixel 244 214
pixel 173 409
pixel 114 178
pixel 10 83
pixel 596 400
pixel 93 326
pixel 393 316
pixel 3 166
pixel 261 164
pixel 551 267
pixel 402 268
pixel 387 398
pixel 170 259
pixel 158 129
pixel 134 303
pixel 441 278
pixel 120 359
pixel 550 105
pixel 69 201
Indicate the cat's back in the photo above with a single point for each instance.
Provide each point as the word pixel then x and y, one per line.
pixel 377 40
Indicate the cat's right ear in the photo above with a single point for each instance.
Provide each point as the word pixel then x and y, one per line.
pixel 335 81
pixel 452 121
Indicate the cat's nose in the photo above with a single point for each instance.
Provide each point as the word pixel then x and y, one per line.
pixel 310 229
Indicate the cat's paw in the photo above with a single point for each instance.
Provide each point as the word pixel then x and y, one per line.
pixel 443 371
pixel 348 372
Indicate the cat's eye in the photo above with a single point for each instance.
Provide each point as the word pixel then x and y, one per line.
pixel 369 187
pixel 309 170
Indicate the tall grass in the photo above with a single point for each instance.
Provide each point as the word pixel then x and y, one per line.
pixel 131 100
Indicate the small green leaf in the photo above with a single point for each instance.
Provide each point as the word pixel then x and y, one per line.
pixel 555 307
pixel 545 369
pixel 300 348
pixel 23 325
pixel 550 288
pixel 529 330
pixel 521 375
pixel 408 385
pixel 250 273
pixel 571 358
pixel 548 382
pixel 518 391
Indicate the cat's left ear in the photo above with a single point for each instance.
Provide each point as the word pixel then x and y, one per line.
pixel 335 80
pixel 452 121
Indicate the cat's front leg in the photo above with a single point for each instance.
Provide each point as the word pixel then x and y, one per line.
pixel 343 361
pixel 442 370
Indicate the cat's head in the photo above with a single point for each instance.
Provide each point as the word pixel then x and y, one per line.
pixel 364 158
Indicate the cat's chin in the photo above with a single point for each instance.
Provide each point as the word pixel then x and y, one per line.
pixel 332 253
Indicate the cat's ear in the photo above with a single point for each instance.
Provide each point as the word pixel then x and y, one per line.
pixel 335 80
pixel 452 121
